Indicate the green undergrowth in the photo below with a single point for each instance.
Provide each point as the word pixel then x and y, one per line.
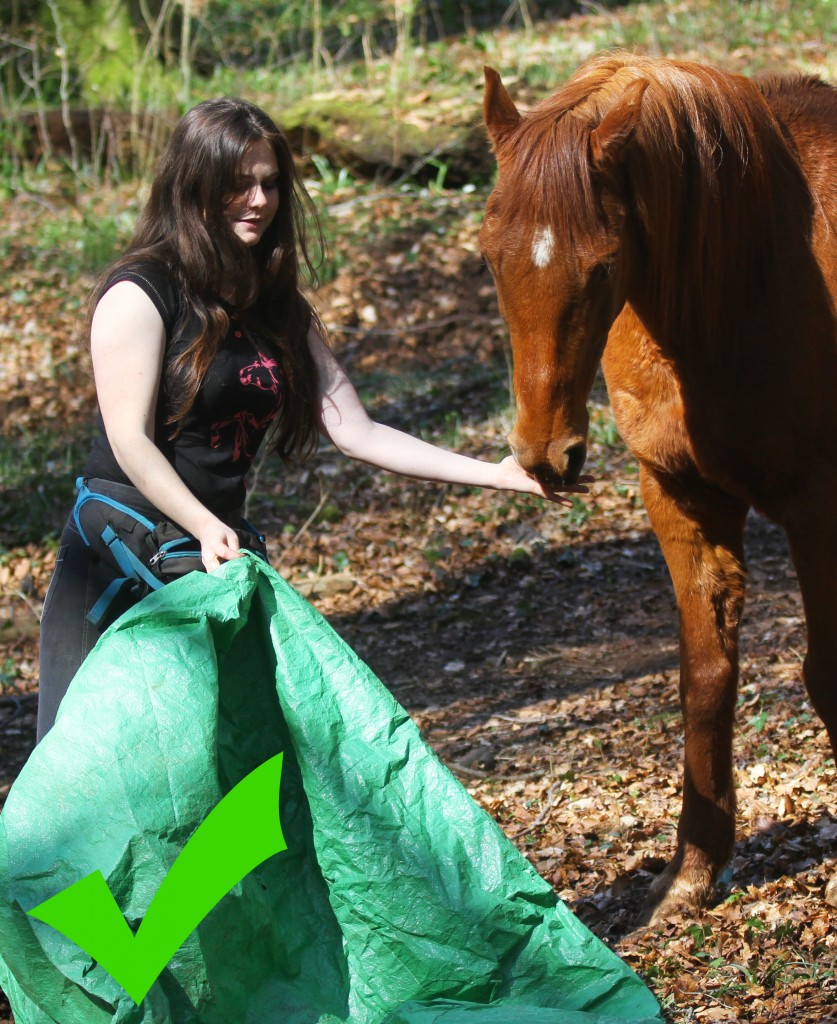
pixel 437 80
pixel 37 473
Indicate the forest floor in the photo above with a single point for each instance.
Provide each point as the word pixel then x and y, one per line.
pixel 536 647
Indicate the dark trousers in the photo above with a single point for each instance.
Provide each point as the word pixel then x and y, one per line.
pixel 79 580
pixel 66 636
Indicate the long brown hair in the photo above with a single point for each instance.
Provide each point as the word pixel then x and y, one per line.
pixel 183 227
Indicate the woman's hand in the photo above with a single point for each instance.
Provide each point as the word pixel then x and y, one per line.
pixel 512 477
pixel 218 543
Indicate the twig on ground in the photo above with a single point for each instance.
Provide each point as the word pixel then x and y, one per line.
pixel 551 804
pixel 300 533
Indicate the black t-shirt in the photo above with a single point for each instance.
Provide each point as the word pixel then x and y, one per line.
pixel 235 405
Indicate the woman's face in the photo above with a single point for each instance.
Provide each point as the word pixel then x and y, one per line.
pixel 256 197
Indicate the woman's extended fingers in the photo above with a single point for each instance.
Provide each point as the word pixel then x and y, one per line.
pixel 519 479
pixel 560 496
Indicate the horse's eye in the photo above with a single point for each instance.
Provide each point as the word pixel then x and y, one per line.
pixel 599 274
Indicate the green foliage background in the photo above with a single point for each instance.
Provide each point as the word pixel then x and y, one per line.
pixel 143 62
pixel 102 42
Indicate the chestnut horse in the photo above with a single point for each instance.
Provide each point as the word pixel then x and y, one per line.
pixel 679 223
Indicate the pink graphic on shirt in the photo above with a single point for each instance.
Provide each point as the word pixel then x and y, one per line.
pixel 242 427
pixel 245 429
pixel 263 374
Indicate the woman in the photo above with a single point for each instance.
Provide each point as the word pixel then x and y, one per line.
pixel 202 341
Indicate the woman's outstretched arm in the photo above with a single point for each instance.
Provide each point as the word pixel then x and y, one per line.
pixel 345 422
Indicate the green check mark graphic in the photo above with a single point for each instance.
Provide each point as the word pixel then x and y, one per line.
pixel 238 834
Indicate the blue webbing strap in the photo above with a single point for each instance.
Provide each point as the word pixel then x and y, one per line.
pixel 109 595
pixel 85 494
pixel 127 560
pixel 248 526
pixel 135 572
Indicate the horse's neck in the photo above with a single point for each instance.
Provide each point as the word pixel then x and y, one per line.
pixel 704 261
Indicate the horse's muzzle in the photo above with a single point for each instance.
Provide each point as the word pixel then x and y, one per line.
pixel 555 472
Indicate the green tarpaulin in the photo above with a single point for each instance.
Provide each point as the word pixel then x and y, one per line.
pixel 397 899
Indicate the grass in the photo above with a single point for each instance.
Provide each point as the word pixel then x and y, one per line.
pixel 37 473
pixel 73 240
pixel 82 246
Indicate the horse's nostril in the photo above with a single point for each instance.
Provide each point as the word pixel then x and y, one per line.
pixel 576 457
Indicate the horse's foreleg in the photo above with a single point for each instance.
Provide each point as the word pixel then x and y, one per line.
pixel 701 533
pixel 814 551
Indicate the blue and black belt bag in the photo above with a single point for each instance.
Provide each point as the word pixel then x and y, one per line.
pixel 147 555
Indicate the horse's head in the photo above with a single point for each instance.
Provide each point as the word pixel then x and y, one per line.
pixel 552 237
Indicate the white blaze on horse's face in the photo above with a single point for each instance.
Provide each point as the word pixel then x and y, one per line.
pixel 543 247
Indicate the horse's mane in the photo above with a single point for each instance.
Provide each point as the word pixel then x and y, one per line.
pixel 705 170
pixel 799 93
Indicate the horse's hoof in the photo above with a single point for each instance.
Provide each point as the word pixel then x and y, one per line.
pixel 675 893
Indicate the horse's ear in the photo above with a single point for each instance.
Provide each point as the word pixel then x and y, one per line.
pixel 617 126
pixel 501 115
